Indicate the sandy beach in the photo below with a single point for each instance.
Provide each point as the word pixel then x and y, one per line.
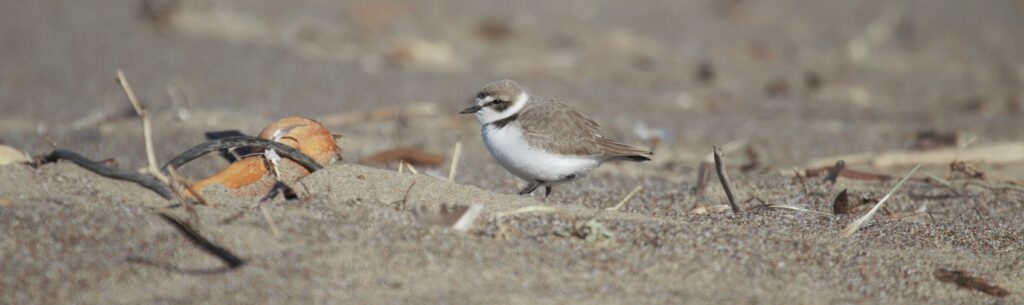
pixel 784 86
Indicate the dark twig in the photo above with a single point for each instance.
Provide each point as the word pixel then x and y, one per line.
pixel 243 141
pixel 205 244
pixel 964 280
pixel 833 173
pixel 405 199
pixel 147 181
pixel 724 178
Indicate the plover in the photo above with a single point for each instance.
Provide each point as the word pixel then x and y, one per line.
pixel 542 140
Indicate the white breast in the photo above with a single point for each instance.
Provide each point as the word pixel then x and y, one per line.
pixel 531 163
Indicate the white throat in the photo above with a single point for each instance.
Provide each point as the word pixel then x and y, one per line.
pixel 488 115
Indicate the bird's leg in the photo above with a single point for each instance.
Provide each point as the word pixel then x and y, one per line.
pixel 547 188
pixel 530 187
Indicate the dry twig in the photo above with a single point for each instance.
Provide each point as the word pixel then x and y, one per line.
pixel 455 161
pixel 708 209
pixel 529 209
pixel 1002 153
pixel 856 225
pixel 467 218
pixel 626 199
pixel 188 186
pixel 412 169
pixel 795 208
pixel 704 170
pixel 963 280
pixel 147 130
pixel 173 183
pixel 270 220
pixel 723 177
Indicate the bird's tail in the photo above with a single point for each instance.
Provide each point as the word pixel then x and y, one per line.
pixel 618 151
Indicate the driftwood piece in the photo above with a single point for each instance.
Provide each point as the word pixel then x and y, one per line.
pixel 1001 153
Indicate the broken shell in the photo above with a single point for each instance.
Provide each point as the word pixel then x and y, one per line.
pixel 249 176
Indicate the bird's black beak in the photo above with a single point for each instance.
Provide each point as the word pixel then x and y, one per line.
pixel 473 109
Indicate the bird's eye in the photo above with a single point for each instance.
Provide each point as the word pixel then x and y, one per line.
pixel 481 95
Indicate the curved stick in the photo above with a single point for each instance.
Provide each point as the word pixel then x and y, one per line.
pixel 243 141
pixel 146 181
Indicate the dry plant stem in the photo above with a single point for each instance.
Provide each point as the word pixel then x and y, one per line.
pixel 401 166
pixel 467 219
pixel 626 199
pixel 789 207
pixel 147 130
pixel 944 183
pixel 529 209
pixel 724 178
pixel 708 209
pixel 856 225
pixel 455 161
pixel 412 169
pixel 173 183
pixel 188 186
pixel 704 170
pixel 270 221
pixel 999 153
pixel 964 280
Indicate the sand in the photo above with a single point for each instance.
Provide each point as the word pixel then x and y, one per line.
pixel 797 81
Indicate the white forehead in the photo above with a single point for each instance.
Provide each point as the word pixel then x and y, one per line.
pixel 485 100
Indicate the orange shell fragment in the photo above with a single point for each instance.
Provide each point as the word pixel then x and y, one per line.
pixel 250 177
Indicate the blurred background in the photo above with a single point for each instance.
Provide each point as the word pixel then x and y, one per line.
pixel 798 79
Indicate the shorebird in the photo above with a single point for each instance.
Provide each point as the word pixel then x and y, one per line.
pixel 542 140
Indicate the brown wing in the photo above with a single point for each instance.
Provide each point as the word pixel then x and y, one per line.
pixel 559 128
